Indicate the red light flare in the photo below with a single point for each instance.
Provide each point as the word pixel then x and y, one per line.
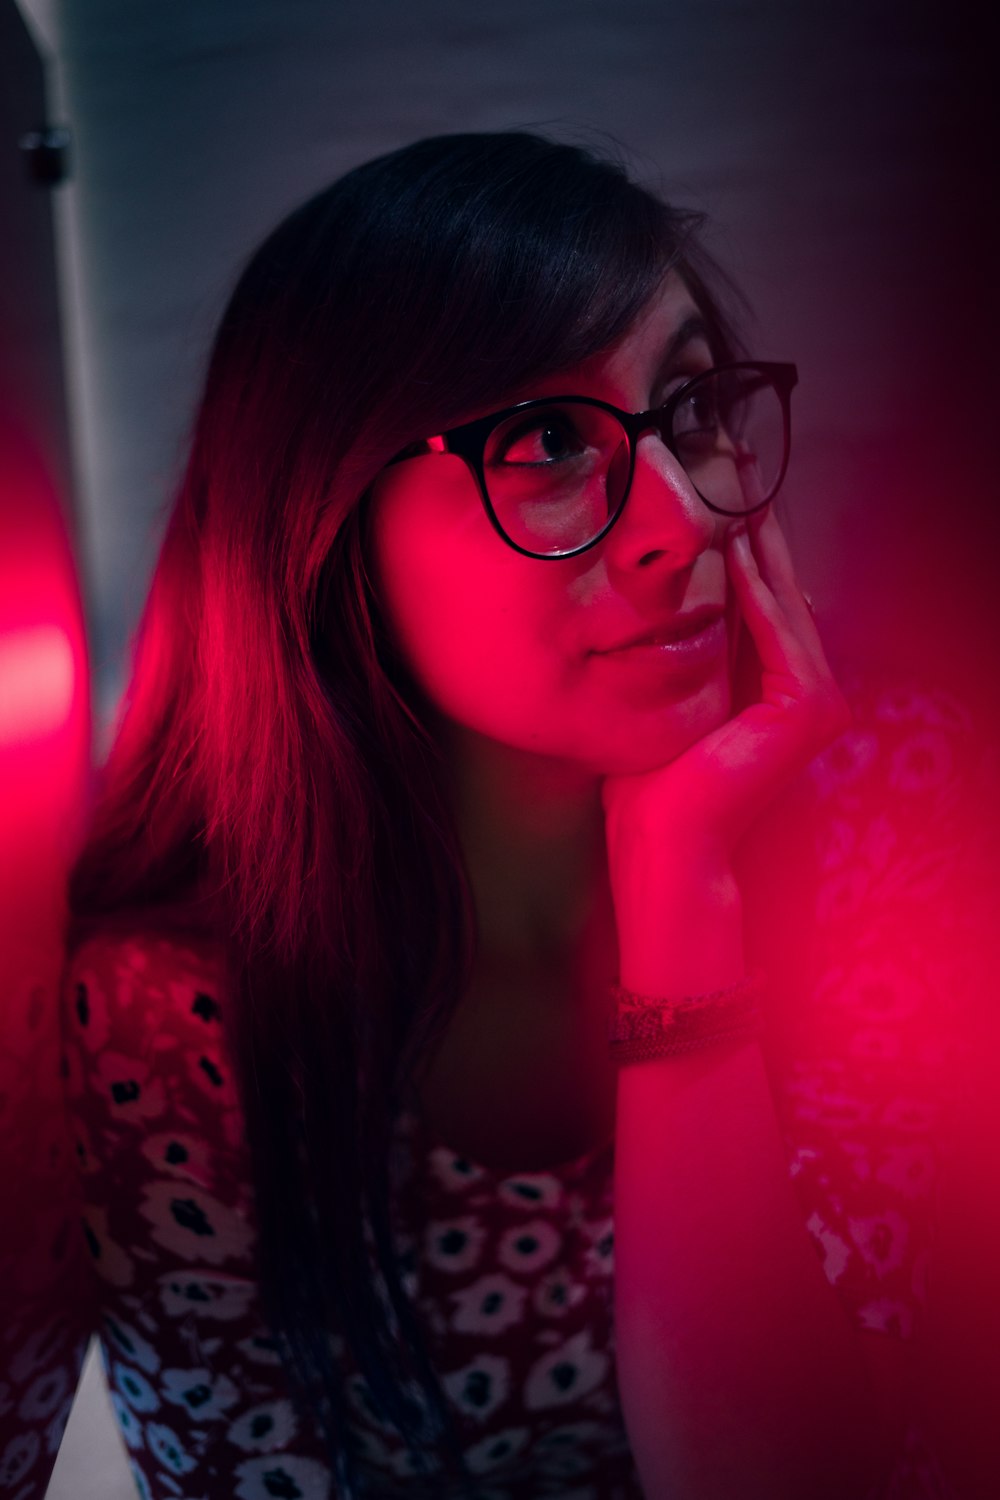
pixel 44 751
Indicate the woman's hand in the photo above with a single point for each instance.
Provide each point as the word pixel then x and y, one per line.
pixel 699 805
pixel 764 1361
pixel 671 832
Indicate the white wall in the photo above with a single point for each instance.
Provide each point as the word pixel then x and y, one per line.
pixel 836 148
pixel 91 1464
pixel 822 140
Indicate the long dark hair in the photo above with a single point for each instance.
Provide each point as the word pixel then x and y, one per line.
pixel 275 782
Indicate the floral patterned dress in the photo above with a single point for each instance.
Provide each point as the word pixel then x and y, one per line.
pixel 151 1245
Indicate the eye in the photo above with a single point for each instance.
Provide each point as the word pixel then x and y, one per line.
pixel 699 410
pixel 544 437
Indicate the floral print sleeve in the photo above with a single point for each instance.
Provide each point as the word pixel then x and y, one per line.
pixel 511 1274
pixel 905 864
pixel 47 1302
pixel 168 1221
pixel 906 887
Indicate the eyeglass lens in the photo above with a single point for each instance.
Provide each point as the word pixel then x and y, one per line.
pixel 556 473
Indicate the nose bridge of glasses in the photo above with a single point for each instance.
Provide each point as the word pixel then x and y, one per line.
pixel 656 422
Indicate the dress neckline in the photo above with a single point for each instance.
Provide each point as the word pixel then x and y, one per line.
pixel 427 1139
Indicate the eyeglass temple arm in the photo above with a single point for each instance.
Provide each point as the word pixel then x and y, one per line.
pixel 420 447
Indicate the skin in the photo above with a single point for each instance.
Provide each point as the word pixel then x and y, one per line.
pixel 596 801
pixel 534 719
pixel 565 762
pixel 506 649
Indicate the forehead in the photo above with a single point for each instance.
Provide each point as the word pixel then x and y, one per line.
pixel 638 353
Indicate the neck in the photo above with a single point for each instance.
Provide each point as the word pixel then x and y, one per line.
pixel 532 831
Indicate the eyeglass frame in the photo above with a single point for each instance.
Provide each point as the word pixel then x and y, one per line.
pixel 468 442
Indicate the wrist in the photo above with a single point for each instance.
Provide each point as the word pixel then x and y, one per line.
pixel 645 1028
pixel 680 936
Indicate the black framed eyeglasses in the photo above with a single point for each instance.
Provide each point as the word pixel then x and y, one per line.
pixel 555 473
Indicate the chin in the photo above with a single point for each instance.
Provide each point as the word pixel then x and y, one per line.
pixel 649 742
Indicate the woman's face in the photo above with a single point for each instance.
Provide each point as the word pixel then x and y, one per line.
pixel 517 649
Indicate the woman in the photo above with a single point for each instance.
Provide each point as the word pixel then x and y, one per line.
pixel 402 789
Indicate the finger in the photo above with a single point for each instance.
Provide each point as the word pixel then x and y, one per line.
pixel 722 783
pixel 774 560
pixel 794 672
pixel 776 568
pixel 745 669
pixel 775 636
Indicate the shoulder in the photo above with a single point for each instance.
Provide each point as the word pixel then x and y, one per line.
pixel 127 985
pixel 916 748
pixel 906 846
pixel 154 1107
pixel 884 852
pixel 146 956
pixel 168 1209
pixel 894 896
pixel 145 1057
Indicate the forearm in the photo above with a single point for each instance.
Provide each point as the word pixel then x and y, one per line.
pixel 738 1368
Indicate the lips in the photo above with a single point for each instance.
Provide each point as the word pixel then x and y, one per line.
pixel 677 628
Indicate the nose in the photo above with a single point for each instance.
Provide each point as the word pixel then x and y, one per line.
pixel 664 515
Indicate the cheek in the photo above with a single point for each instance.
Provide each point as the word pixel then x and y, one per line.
pixel 473 655
pixel 459 620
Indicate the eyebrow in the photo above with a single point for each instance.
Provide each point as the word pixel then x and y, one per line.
pixel 693 327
